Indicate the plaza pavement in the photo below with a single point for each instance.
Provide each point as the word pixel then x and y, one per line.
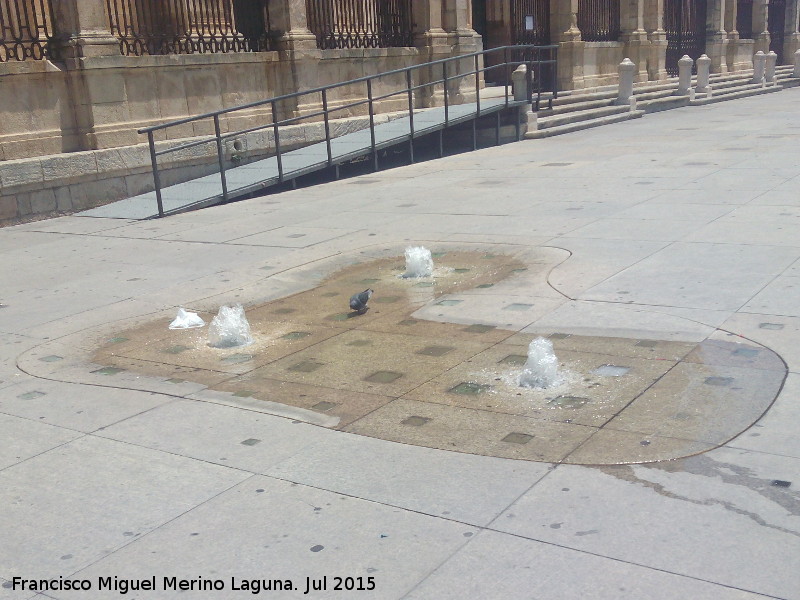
pixel 678 224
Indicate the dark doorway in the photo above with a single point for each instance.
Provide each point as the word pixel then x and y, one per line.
pixel 685 24
pixel 479 18
pixel 776 24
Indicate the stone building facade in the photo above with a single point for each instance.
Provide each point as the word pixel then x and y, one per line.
pixel 78 78
pixel 78 75
pixel 595 35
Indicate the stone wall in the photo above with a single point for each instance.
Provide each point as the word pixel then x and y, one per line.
pixel 69 137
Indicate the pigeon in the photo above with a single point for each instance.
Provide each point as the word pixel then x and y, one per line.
pixel 358 302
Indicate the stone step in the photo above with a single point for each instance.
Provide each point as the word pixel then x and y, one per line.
pixel 654 95
pixel 587 124
pixel 662 103
pixel 579 97
pixel 577 106
pixel 545 122
pixel 754 89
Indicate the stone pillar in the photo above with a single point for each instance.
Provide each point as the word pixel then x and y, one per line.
pixel 657 37
pixel 289 17
pixel 296 45
pixel 760 31
pixel 82 29
pixel 685 76
pixel 457 22
pixel 769 71
pixel 626 74
pixel 791 43
pixel 461 39
pixel 703 69
pixel 429 33
pixel 564 31
pixel 796 72
pixel 98 95
pixel 433 43
pixel 731 10
pixel 759 65
pixel 716 36
pixel 634 36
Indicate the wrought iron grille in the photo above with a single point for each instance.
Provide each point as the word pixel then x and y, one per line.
pixel 26 30
pixel 530 21
pixel 598 20
pixel 776 24
pixel 360 23
pixel 189 26
pixel 685 25
pixel 744 19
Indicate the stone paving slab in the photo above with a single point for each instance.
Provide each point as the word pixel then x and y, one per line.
pixel 267 528
pixel 721 505
pixel 494 565
pixel 75 504
pixel 421 479
pixel 31 438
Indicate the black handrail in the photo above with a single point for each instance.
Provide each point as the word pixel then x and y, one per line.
pixel 531 57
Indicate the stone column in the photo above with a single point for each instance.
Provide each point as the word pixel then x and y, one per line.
pixel 299 56
pixel 634 36
pixel 731 10
pixel 82 29
pixel 457 22
pixel 289 17
pixel 456 18
pixel 564 31
pixel 462 39
pixel 98 94
pixel 429 34
pixel 760 30
pixel 791 43
pixel 716 36
pixel 433 43
pixel 657 37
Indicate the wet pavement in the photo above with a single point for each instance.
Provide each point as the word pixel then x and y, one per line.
pixel 456 387
pixel 659 257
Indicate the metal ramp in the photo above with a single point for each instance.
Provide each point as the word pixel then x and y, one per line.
pixel 232 182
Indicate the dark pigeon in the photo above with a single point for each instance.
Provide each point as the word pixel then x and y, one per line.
pixel 358 302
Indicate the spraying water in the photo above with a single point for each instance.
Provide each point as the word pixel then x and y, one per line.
pixel 419 262
pixel 541 368
pixel 229 328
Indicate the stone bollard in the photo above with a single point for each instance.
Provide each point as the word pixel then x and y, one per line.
pixel 769 75
pixel 759 64
pixel 519 83
pixel 796 72
pixel 685 75
pixel 625 94
pixel 703 70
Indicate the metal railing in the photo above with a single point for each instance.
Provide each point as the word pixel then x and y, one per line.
pixel 189 26
pixel 26 30
pixel 685 26
pixel 360 24
pixel 540 62
pixel 598 20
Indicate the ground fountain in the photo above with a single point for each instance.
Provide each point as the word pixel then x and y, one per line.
pixel 541 367
pixel 229 328
pixel 419 262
